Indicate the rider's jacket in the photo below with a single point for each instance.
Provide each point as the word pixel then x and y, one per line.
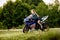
pixel 32 16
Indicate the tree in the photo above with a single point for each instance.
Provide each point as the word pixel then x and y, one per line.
pixel 53 13
pixel 42 9
pixel 14 13
pixel 30 2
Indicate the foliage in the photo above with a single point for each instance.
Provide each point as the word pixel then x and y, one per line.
pixel 42 9
pixel 13 13
pixel 32 2
pixel 53 13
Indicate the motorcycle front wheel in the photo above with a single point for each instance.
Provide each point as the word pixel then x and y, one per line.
pixel 45 27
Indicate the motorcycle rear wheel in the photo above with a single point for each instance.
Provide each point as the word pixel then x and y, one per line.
pixel 25 30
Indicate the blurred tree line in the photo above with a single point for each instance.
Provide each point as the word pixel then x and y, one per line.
pixel 13 13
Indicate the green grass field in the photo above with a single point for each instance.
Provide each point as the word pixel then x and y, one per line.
pixel 17 34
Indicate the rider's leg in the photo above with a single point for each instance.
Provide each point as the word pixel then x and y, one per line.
pixel 39 22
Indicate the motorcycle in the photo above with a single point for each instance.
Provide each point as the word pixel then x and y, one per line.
pixel 43 22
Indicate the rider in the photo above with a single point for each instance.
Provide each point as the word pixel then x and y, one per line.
pixel 32 19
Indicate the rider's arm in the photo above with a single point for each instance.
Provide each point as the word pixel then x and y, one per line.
pixel 37 14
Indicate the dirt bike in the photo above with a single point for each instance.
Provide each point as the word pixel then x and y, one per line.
pixel 44 24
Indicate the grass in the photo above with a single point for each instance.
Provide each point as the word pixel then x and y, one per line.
pixel 17 34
